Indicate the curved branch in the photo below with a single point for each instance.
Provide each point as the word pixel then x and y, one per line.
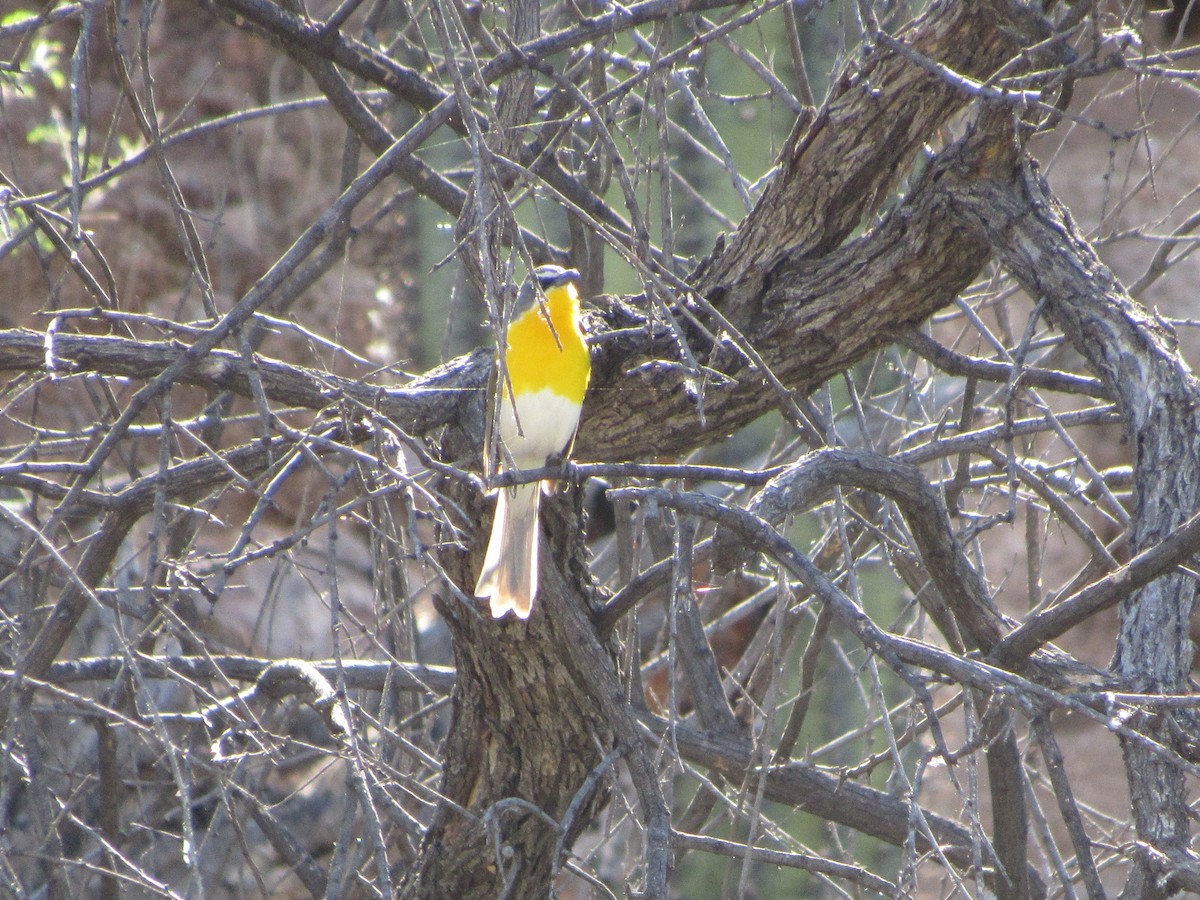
pixel 810 482
pixel 836 168
pixel 815 319
pixel 1137 356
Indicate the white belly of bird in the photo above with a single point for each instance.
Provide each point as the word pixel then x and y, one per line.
pixel 547 422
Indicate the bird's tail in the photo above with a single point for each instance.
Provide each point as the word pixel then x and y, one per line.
pixel 510 567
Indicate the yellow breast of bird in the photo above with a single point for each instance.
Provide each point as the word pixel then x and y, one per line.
pixel 549 356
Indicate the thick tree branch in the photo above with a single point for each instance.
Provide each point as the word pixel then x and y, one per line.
pixel 540 714
pixel 837 167
pixel 1137 357
pixel 812 480
pixel 817 318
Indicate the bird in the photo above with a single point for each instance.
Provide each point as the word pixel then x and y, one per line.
pixel 544 376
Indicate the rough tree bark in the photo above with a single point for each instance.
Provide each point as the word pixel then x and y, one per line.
pixel 809 309
pixel 541 714
pixel 1137 355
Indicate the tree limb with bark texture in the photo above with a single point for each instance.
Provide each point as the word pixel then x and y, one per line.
pixel 821 626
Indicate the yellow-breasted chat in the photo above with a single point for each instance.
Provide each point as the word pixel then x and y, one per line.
pixel 544 377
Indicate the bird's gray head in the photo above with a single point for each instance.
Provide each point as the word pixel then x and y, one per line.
pixel 545 278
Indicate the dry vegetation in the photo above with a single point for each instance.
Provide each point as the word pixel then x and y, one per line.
pixel 890 589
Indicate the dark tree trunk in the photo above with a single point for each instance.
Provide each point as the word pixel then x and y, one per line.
pixel 529 720
pixel 523 761
pixel 1137 356
pixel 541 716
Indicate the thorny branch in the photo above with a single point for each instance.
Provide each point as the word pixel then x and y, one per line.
pixel 200 466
